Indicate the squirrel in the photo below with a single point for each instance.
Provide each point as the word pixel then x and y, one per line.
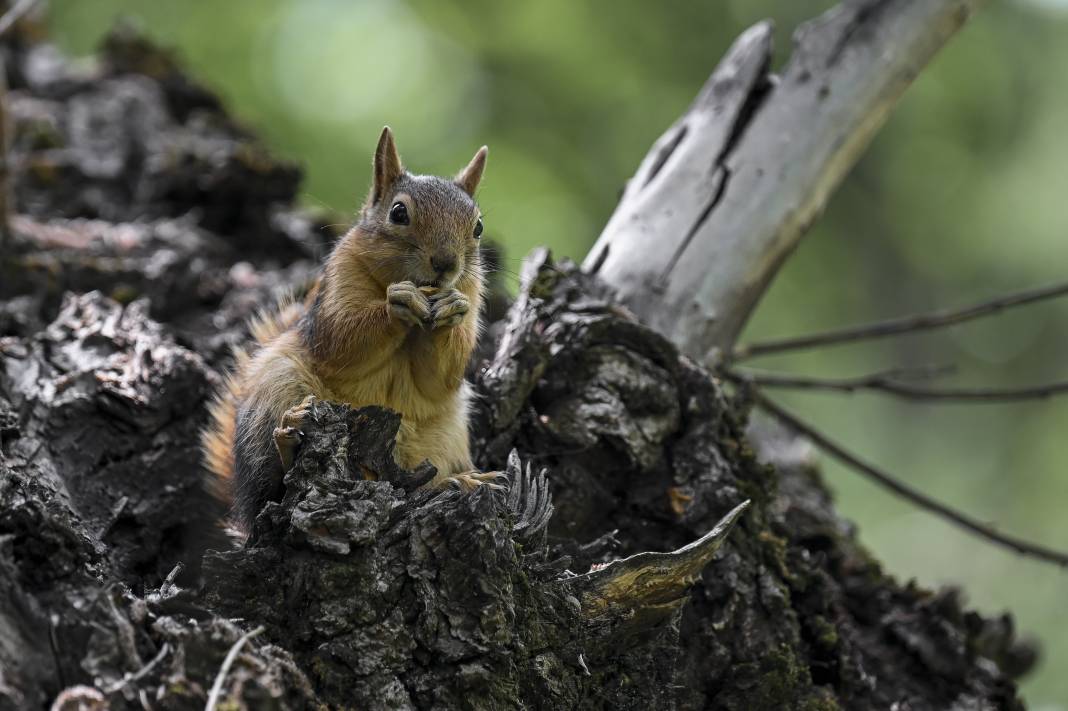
pixel 391 321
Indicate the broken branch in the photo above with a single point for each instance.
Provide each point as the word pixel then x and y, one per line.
pixel 726 194
pixel 650 583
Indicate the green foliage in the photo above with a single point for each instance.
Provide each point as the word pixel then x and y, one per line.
pixel 962 195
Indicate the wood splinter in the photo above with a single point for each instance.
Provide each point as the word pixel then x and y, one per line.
pixel 646 587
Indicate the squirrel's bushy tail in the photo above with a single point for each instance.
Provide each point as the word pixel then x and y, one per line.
pixel 217 438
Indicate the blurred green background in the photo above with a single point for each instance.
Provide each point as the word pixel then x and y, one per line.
pixel 962 196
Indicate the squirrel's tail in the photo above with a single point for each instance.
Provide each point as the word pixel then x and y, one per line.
pixel 217 438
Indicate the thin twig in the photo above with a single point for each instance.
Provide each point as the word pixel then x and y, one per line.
pixel 891 384
pixel 903 324
pixel 9 18
pixel 908 493
pixel 113 517
pixel 216 688
pixel 128 679
pixel 6 201
pixel 914 373
pixel 173 575
pixel 124 632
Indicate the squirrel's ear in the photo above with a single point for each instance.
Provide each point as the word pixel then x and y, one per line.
pixel 471 176
pixel 387 165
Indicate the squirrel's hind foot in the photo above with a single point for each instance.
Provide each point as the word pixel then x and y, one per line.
pixel 471 480
pixel 290 431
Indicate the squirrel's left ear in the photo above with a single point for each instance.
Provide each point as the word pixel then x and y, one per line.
pixel 387 165
pixel 471 176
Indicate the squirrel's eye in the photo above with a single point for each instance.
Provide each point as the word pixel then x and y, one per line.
pixel 478 228
pixel 398 214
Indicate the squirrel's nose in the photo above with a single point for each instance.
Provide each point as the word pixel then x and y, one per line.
pixel 443 263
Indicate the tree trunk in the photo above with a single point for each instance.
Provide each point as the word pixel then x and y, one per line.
pixel 637 553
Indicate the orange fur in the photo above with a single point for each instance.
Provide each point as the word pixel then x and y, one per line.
pixel 348 343
pixel 217 439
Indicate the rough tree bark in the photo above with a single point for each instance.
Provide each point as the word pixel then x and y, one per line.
pixel 586 581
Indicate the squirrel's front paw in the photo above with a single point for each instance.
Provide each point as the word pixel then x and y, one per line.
pixel 290 431
pixel 407 304
pixel 450 309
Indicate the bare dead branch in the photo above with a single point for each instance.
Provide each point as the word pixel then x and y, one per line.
pixel 725 195
pixel 890 383
pixel 914 496
pixel 16 13
pixel 903 324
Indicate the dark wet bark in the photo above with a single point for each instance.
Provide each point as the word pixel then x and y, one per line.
pixel 372 593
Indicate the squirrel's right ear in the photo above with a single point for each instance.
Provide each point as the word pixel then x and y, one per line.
pixel 471 176
pixel 387 165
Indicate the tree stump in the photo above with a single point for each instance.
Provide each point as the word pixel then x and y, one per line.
pixel 617 564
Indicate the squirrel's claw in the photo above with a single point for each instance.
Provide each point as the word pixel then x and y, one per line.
pixel 407 303
pixel 290 432
pixel 286 441
pixel 469 481
pixel 450 310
